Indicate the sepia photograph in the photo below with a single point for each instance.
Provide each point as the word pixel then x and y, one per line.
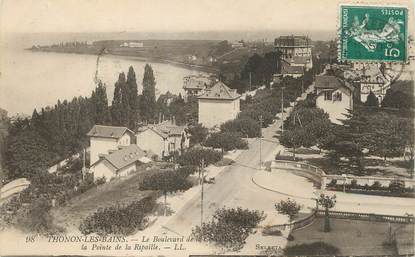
pixel 202 128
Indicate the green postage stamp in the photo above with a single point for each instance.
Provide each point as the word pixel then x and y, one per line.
pixel 373 33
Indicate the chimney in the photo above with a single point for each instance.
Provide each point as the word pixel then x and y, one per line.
pixel 174 120
pixel 159 117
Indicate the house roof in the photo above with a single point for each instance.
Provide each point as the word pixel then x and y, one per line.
pixel 220 92
pixel 107 131
pixel 125 156
pixel 302 60
pixel 330 82
pixel 288 69
pixel 196 82
pixel 164 129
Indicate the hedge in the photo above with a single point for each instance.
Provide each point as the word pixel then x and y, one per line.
pixel 119 220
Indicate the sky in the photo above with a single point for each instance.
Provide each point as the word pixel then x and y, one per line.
pixel 39 16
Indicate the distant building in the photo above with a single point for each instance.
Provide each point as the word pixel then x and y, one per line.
pixel 334 96
pixel 106 138
pixel 163 139
pixel 132 44
pixel 218 105
pixel 291 46
pixel 118 163
pixel 195 85
pixel 368 78
pixel 291 70
pixel 238 44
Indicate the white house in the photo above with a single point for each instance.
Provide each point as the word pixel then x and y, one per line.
pixel 163 139
pixel 334 96
pixel 218 105
pixel 106 138
pixel 118 163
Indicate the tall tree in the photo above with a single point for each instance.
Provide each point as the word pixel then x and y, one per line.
pixel 148 102
pixel 133 99
pixel 372 100
pixel 100 104
pixel 116 107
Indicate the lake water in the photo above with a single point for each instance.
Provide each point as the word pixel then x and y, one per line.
pixel 31 80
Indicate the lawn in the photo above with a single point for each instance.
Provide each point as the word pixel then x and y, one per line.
pixel 122 190
pixel 355 237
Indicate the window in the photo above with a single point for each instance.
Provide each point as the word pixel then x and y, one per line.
pixel 171 147
pixel 327 95
pixel 337 96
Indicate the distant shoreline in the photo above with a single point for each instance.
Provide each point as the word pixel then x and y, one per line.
pixel 201 68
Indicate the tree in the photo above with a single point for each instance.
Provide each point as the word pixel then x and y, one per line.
pixel 195 155
pixel 166 182
pixel 148 103
pixel 400 95
pixel 117 102
pixel 327 202
pixel 133 97
pixel 387 138
pixel 372 100
pixel 198 134
pixel 288 207
pixel 294 139
pixel 100 102
pixel 229 228
pixel 244 126
pixel 26 154
pixel 226 141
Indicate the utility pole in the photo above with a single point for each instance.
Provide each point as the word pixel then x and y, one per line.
pixel 282 110
pixel 260 141
pixel 202 167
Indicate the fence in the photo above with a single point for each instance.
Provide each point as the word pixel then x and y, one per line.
pixel 367 216
pixel 301 169
pixel 318 176
pixel 299 223
pixel 345 215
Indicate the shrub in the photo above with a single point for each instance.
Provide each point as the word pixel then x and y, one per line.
pixel 119 220
pixel 37 218
pixel 100 181
pixel 332 183
pixel 186 171
pixel 376 186
pixel 194 157
pixel 229 228
pixel 397 186
pixel 353 183
pixel 316 248
pixel 244 126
